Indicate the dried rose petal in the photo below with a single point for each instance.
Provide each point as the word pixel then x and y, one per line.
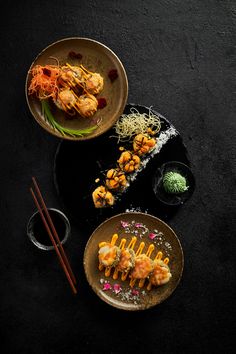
pixel 138 225
pixel 124 223
pixel 152 236
pixel 135 292
pixel 106 286
pixel 113 75
pixel 102 102
pixel 117 288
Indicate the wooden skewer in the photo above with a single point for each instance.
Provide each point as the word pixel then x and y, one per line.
pixel 60 257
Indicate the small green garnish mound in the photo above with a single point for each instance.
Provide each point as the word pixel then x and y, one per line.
pixel 64 131
pixel 174 183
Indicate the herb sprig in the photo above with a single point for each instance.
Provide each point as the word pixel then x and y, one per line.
pixel 64 131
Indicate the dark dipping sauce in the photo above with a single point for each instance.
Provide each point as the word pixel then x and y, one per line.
pixel 40 231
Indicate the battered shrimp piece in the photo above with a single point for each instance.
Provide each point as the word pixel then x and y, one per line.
pixel 94 84
pixel 127 260
pixel 161 273
pixel 71 75
pixel 129 162
pixel 109 255
pixel 102 197
pixel 143 267
pixel 115 179
pixel 66 99
pixel 142 144
pixel 87 105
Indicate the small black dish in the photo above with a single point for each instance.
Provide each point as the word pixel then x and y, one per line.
pixel 169 198
pixel 37 233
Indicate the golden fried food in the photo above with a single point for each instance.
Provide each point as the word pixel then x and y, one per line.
pixel 143 267
pixel 127 260
pixel 129 162
pixel 94 84
pixel 109 255
pixel 161 273
pixel 87 105
pixel 115 179
pixel 65 99
pixel 71 87
pixel 102 197
pixel 71 76
pixel 142 144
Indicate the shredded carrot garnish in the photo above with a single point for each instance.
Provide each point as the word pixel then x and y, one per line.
pixel 44 81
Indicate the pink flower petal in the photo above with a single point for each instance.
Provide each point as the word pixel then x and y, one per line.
pixel 135 292
pixel 117 288
pixel 124 223
pixel 152 236
pixel 138 225
pixel 106 286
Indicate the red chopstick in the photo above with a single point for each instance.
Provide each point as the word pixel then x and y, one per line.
pixel 61 256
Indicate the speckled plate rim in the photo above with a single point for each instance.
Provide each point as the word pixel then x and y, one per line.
pixel 93 134
pixel 107 299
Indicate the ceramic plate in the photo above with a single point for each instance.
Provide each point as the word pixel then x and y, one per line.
pixel 95 57
pixel 118 293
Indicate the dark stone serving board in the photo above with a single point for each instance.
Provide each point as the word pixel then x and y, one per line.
pixel 78 164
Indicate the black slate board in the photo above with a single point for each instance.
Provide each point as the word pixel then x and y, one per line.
pixel 77 165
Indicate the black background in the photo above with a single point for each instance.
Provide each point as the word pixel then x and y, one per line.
pixel 180 58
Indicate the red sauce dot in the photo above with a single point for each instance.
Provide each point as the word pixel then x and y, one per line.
pixel 47 72
pixel 113 75
pixel 102 102
pixel 73 55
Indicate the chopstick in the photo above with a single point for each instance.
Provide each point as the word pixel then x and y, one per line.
pixel 53 233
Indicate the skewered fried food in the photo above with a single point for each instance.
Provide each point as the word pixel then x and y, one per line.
pixel 102 197
pixel 127 260
pixel 142 144
pixel 108 254
pixel 129 162
pixel 115 179
pixel 161 273
pixel 143 267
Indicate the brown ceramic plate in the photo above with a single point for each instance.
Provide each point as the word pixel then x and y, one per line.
pixel 126 225
pixel 96 57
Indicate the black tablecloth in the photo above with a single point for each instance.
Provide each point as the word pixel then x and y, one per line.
pixel 180 58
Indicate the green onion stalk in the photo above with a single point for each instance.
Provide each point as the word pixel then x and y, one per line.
pixel 64 131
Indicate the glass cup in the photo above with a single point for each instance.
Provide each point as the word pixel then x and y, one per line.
pixel 37 232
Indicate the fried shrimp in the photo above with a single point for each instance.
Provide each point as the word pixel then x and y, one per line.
pixel 87 105
pixel 109 255
pixel 94 84
pixel 161 273
pixel 127 260
pixel 143 267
